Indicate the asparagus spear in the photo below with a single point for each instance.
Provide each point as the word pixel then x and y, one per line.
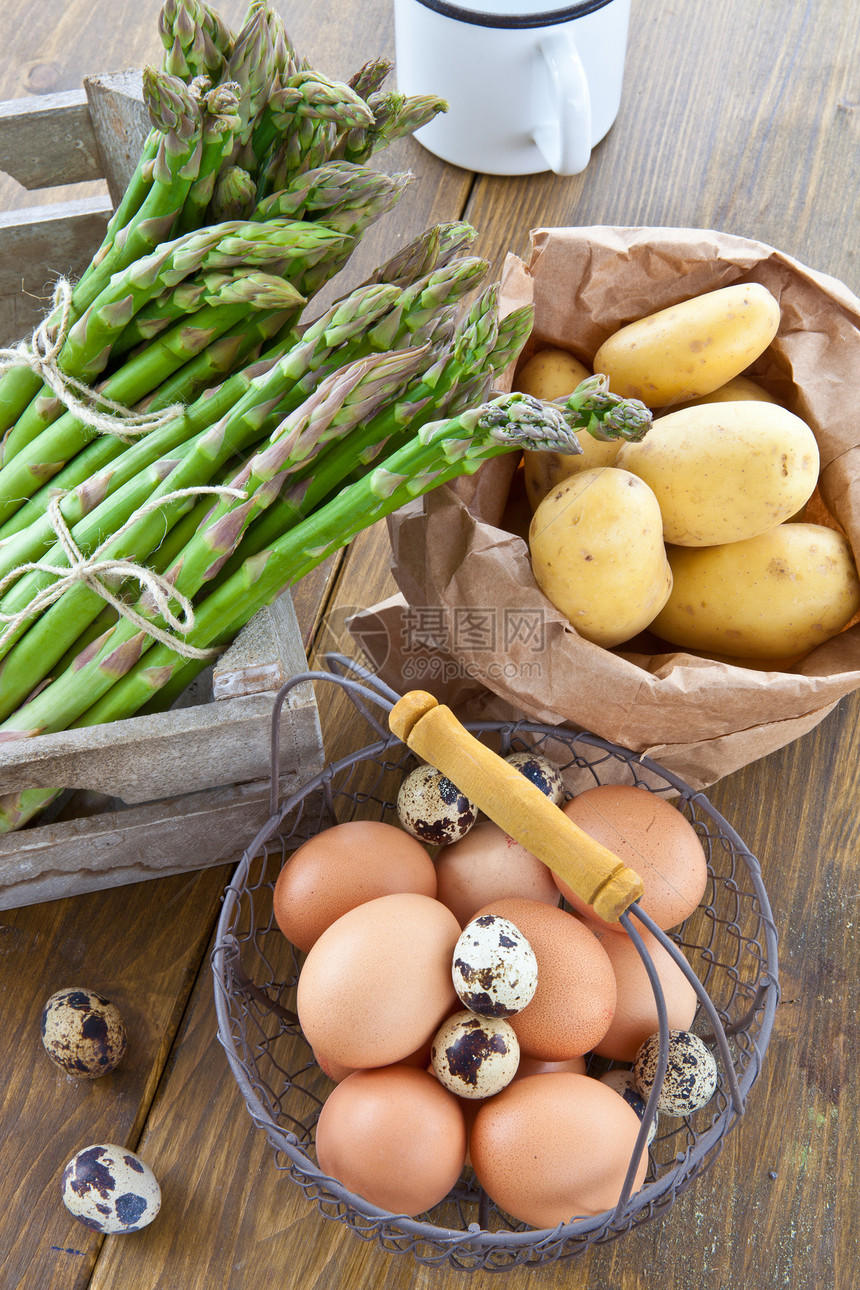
pixel 394 116
pixel 234 195
pixel 221 122
pixel 297 128
pixel 176 166
pixel 196 41
pixel 370 78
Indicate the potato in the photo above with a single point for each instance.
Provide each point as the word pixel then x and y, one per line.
pixel 550 374
pixel 777 595
pixel 553 374
pixel 543 470
pixel 691 348
pixel 739 388
pixel 597 554
pixel 724 472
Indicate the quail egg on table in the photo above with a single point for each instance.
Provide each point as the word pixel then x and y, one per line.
pixel 494 968
pixel 83 1032
pixel 110 1189
pixel 543 773
pixel 691 1072
pixel 433 809
pixel 474 1056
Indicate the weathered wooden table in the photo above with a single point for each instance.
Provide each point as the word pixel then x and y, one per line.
pixel 743 116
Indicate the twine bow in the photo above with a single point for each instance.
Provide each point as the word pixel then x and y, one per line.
pixel 94 569
pixel 40 354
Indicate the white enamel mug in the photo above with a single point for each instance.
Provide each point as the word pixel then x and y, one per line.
pixel 530 86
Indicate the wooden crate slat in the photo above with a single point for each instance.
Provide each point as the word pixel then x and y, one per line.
pixel 49 140
pixel 38 245
pixel 154 840
pixel 121 124
pixel 140 759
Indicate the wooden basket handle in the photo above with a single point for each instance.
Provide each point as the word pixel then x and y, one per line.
pixel 517 805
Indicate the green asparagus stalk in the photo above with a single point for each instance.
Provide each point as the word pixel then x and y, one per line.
pixel 175 168
pixel 221 122
pixel 234 195
pixel 370 78
pixel 251 66
pixel 256 290
pixel 394 116
pixel 606 415
pixel 196 41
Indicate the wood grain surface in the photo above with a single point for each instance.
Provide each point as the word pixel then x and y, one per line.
pixel 743 116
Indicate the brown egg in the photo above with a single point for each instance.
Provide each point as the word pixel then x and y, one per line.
pixel 485 865
pixel 337 1072
pixel 553 1146
pixel 345 866
pixel 377 983
pixel 574 1002
pixel 393 1135
pixel 636 1008
pixel 533 1066
pixel 651 836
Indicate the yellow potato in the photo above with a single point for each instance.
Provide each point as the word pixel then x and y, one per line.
pixel 543 470
pixel 597 554
pixel 691 348
pixel 723 472
pixel 777 595
pixel 737 389
pixel 553 374
pixel 550 374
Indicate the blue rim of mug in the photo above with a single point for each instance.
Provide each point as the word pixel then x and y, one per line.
pixel 546 19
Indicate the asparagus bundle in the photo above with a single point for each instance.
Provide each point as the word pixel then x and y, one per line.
pixel 182 440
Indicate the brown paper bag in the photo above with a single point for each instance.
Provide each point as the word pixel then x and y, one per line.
pixel 471 624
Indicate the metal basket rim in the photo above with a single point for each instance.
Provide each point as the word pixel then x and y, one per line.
pixel 476 1240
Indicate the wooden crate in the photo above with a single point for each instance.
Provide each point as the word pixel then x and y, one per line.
pixel 152 795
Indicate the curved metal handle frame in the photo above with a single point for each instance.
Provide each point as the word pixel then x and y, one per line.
pixel 368 689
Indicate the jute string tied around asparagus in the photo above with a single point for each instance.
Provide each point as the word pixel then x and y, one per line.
pixel 87 405
pixel 94 569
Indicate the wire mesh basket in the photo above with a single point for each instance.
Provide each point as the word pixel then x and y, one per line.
pixel 730 942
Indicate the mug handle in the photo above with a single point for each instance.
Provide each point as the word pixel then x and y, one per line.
pixel 565 141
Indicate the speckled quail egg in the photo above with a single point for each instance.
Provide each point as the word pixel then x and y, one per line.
pixel 691 1072
pixel 494 969
pixel 110 1189
pixel 625 1085
pixel 433 809
pixel 542 772
pixel 83 1032
pixel 474 1056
